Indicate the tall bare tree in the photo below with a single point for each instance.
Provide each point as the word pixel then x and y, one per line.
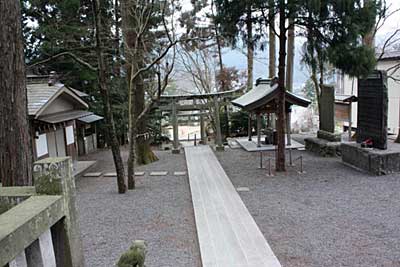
pixel 272 40
pixel 290 56
pixel 103 80
pixel 15 148
pixel 139 19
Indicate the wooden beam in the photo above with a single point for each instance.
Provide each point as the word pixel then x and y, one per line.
pixel 189 107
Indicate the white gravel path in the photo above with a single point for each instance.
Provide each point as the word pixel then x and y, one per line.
pixel 330 216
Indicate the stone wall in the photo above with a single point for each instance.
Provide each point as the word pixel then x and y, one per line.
pixel 369 160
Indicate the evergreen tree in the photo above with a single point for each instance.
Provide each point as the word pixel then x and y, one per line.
pixel 15 147
pixel 237 21
pixel 74 38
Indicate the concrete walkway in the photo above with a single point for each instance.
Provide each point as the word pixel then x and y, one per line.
pixel 228 235
pixel 251 146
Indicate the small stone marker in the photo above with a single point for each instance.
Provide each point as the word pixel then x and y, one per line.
pixel 162 173
pixel 179 173
pixel 243 189
pixel 139 173
pixel 92 174
pixel 110 174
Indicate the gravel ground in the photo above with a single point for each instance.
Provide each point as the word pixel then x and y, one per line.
pixel 331 216
pixel 158 211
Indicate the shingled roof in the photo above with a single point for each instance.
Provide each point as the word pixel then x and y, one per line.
pixel 263 93
pixel 40 95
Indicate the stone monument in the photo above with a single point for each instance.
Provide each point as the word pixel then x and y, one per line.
pixel 327 142
pixel 372 113
pixel 327 114
pixel 372 128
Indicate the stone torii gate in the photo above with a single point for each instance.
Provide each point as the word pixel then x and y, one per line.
pixel 201 103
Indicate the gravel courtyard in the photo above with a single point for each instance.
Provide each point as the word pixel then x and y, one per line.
pixel 330 216
pixel 158 211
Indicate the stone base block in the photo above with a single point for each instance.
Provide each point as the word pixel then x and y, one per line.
pixel 219 148
pixel 176 150
pixel 332 137
pixel 322 147
pixel 374 161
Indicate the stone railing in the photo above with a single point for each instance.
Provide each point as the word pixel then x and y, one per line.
pixel 38 225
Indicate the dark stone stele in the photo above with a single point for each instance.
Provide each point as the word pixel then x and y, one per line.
pixel 372 124
pixel 373 109
pixel 327 109
pixel 327 142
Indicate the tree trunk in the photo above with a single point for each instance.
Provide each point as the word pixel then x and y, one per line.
pixel 221 70
pixel 117 68
pixel 280 154
pixel 15 140
pixel 131 158
pixel 104 90
pixel 369 38
pixel 290 57
pixel 144 154
pixel 250 49
pixel 134 56
pixel 272 41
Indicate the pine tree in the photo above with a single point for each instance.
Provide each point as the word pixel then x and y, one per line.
pixel 237 22
pixel 15 148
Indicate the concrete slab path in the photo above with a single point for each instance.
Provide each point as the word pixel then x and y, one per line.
pixel 251 146
pixel 228 235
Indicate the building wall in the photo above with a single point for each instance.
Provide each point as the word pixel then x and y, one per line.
pixel 55 140
pixel 350 87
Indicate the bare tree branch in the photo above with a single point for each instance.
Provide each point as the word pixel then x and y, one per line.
pixel 68 54
pixel 387 43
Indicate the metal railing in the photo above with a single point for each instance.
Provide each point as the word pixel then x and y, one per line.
pixel 269 168
pixel 300 158
pixel 291 163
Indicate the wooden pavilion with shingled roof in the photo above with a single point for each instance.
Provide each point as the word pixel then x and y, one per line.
pixel 262 100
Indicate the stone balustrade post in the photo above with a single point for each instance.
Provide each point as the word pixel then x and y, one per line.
pixel 53 176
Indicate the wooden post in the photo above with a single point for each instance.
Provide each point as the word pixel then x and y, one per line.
pixel 249 126
pixel 350 119
pixel 288 128
pixel 258 130
pixel 219 145
pixel 175 149
pixel 202 129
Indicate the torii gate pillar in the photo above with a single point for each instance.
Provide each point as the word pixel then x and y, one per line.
pixel 175 149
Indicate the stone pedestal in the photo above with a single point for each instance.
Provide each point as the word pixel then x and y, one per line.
pixel 176 150
pixel 53 176
pixel 219 148
pixel 373 161
pixel 322 147
pixel 329 136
